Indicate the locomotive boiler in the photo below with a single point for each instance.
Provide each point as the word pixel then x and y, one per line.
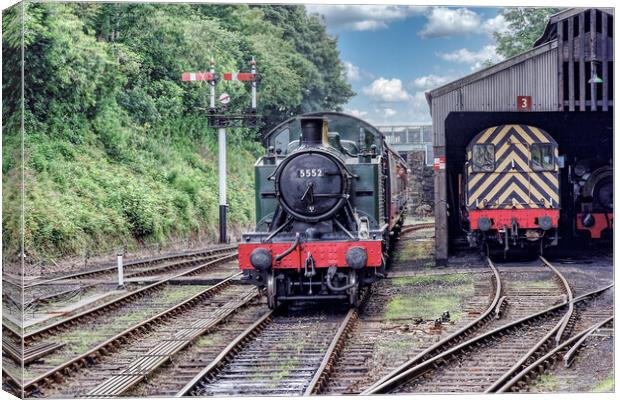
pixel 510 191
pixel 330 193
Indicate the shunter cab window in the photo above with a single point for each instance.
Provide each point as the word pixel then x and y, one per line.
pixel 542 156
pixel 483 158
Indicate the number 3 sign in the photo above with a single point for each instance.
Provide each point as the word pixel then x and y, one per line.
pixel 524 103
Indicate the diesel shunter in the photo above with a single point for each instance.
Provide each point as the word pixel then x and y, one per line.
pixel 510 189
pixel 330 193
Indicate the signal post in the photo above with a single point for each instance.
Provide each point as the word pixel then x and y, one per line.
pixel 220 119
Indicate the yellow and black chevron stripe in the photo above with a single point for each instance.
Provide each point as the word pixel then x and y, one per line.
pixel 513 183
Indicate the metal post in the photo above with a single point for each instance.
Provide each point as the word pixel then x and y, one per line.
pixel 119 264
pixel 222 178
pixel 212 97
pixel 253 70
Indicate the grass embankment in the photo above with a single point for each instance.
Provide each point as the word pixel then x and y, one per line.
pixel 604 386
pixel 116 147
pixel 113 185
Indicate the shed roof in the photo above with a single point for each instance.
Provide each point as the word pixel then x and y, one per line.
pixel 493 69
pixel 550 31
pixel 545 43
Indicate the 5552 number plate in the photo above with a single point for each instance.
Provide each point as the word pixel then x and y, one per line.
pixel 310 172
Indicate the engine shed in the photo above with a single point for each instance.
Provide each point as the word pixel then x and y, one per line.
pixel 563 85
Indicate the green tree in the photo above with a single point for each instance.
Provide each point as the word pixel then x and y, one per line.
pixel 525 25
pixel 117 148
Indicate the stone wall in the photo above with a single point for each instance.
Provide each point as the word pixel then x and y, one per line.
pixel 421 201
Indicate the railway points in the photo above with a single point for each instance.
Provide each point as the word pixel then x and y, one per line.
pixel 486 361
pixel 205 357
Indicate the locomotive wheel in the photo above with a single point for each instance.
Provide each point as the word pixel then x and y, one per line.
pixel 272 299
pixel 353 291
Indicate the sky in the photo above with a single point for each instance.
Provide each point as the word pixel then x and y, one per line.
pixel 393 54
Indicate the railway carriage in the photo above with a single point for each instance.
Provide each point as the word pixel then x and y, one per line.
pixel 330 193
pixel 510 194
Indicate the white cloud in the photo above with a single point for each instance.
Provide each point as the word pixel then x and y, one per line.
pixel 431 81
pixel 390 90
pixel 363 17
pixel 418 108
pixel 352 71
pixel 389 112
pixel 418 101
pixel 442 21
pixel 356 113
pixel 497 24
pixel 475 59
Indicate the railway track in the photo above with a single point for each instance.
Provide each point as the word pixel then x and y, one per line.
pixel 106 320
pixel 563 353
pixel 512 300
pixel 148 351
pixel 277 355
pixel 592 317
pixel 134 267
pixel 251 352
pixel 53 328
pixel 65 286
pixel 488 360
pixel 352 372
pixel 136 385
pixel 415 227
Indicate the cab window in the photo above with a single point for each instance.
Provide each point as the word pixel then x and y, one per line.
pixel 282 140
pixel 483 158
pixel 542 157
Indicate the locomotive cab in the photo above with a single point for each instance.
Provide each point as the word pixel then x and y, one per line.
pixel 324 209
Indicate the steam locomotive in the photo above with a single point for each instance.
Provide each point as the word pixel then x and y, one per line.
pixel 593 193
pixel 330 193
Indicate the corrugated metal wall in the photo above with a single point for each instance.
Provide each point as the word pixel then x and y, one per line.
pixel 535 77
pixel 534 74
pixel 579 37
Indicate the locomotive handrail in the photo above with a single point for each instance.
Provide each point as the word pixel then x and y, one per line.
pixel 290 249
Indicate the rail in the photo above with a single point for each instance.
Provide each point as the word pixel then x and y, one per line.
pixel 448 341
pixel 38 333
pixel 67 368
pixel 133 264
pixel 569 347
pixel 431 363
pixel 232 348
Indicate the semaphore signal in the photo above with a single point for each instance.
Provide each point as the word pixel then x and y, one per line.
pixel 218 118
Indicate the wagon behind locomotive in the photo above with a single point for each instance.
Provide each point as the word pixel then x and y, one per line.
pixel 329 193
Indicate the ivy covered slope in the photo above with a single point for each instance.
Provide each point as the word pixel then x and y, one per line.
pixel 117 149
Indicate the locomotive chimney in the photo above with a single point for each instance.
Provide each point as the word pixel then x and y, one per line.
pixel 313 131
